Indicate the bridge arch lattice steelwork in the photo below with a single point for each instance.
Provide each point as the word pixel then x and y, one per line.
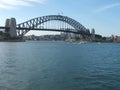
pixel 32 24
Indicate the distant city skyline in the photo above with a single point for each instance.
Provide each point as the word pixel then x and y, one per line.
pixel 103 15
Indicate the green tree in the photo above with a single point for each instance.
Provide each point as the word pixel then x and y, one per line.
pixel 6 35
pixel 1 33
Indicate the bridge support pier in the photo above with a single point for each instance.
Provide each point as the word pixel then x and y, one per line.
pixel 11 23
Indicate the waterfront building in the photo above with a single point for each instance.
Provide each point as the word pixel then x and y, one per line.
pixel 115 38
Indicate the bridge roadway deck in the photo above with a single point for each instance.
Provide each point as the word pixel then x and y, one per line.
pixel 43 29
pixel 3 27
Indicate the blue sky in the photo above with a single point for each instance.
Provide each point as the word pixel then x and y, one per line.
pixel 103 15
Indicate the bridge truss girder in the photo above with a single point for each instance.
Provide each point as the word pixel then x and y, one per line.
pixel 32 24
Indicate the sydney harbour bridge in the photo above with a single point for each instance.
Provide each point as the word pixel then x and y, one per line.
pixel 57 23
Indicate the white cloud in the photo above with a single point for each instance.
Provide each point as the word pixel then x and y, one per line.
pixel 15 2
pixel 104 8
pixel 37 1
pixel 5 7
pixel 11 4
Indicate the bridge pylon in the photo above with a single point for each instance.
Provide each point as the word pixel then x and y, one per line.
pixel 11 24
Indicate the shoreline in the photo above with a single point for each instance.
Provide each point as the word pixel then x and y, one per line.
pixel 12 40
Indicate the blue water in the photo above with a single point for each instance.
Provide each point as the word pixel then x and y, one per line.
pixel 37 65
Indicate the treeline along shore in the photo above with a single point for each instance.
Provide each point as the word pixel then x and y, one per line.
pixel 59 37
pixel 5 37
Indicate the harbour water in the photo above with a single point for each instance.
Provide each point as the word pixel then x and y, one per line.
pixel 44 65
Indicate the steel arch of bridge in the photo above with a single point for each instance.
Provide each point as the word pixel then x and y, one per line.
pixel 25 27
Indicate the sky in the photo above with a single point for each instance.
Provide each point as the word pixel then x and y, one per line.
pixel 102 15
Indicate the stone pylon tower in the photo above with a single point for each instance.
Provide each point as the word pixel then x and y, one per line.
pixel 93 34
pixel 11 24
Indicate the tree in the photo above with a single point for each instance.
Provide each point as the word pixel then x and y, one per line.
pixel 1 33
pixel 6 35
